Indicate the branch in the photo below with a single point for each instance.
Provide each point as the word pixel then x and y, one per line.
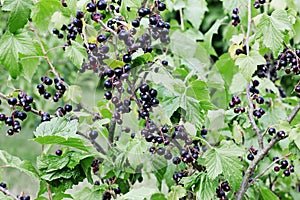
pixel 252 120
pixel 293 113
pixel 49 192
pixel 249 172
pixel 8 193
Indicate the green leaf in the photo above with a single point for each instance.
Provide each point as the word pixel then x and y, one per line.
pixel 29 66
pixel 194 11
pixel 224 160
pixel 229 5
pixel 73 93
pixel 89 194
pixel 112 63
pixel 266 193
pixel 5 197
pixel 271 28
pixel 177 192
pixel 158 196
pixel 139 193
pixel 15 162
pixel 19 13
pixel 182 45
pixel 42 12
pixel 237 132
pixel 207 187
pixel 11 45
pixel 248 64
pixel 134 6
pixel 76 53
pixel 57 126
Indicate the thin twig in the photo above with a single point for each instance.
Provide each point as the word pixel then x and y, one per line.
pixel 8 193
pixel 181 19
pixel 49 192
pixel 293 113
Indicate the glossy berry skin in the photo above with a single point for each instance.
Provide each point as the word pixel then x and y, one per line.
pixel 262 1
pixel 176 160
pixel 58 152
pixel 256 5
pixel 9 121
pixel 68 108
pixel 90 7
pixel 276 168
pixel 235 11
pixel 161 6
pixel 297 88
pixel 10 132
pixel 2 117
pixel 284 164
pixel 12 101
pixel 164 129
pixel 101 4
pixel 281 134
pixel 101 38
pixel 3 185
pixel 135 23
pixel 93 134
pixel 250 156
pixel 164 63
pixel 286 172
pixel 271 131
pixel 168 155
pixel 127 58
pixel 144 88
pixel 108 95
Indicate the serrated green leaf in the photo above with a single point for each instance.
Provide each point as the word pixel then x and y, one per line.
pixel 112 63
pixel 89 194
pixel 229 5
pixel 248 64
pixel 29 66
pixel 194 11
pixel 271 28
pixel 15 162
pixel 42 12
pixel 177 192
pixel 11 45
pixel 134 5
pixel 139 193
pixel 207 187
pixel 58 127
pixel 237 132
pixel 182 45
pixel 266 193
pixel 17 8
pixel 158 196
pixel 76 53
pixel 224 160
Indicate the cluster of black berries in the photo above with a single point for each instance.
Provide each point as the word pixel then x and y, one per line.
pixel 3 185
pixel 107 195
pixel 122 106
pixel 258 113
pixel 269 71
pixel 95 164
pixel 235 17
pixel 280 134
pixel 235 101
pixel 284 164
pixel 23 101
pixel 147 99
pixel 221 190
pixel 252 153
pixel 160 139
pixel 177 176
pixel 257 4
pixel 61 111
pixel 59 86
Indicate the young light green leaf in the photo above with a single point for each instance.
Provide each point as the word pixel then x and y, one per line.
pixel 271 29
pixel 182 45
pixel 248 64
pixel 194 11
pixel 224 160
pixel 177 192
pixel 73 93
pixel 139 193
pixel 11 45
pixel 17 8
pixel 42 12
pixel 76 53
pixel 89 194
pixel 158 196
pixel 15 162
pixel 229 5
pixel 29 67
pixel 266 193
pixel 133 5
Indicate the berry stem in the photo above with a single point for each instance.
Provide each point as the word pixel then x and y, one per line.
pixel 49 192
pixel 97 146
pixel 181 19
pixel 8 193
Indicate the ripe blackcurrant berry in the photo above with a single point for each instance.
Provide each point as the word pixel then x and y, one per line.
pixel 284 164
pixel 235 11
pixel 90 7
pixel 107 84
pixel 250 156
pixel 68 108
pixel 236 110
pixel 262 1
pixel 79 15
pixel 297 88
pixel 286 172
pixel 10 132
pixel 9 121
pixel 101 4
pixel 93 134
pixel 135 23
pixel 255 83
pixel 168 155
pixel 256 5
pixel 127 58
pixel 144 88
pixel 108 95
pixel 281 134
pixel 160 151
pixel 60 86
pixel 29 99
pixel 45 117
pixel 48 81
pixel 161 6
pixel 276 168
pixel 55 31
pixel 126 68
pixel 58 152
pixel 101 38
pixel 260 100
pixel 47 95
pixel 21 115
pixel 109 72
pixel 231 104
pixel 2 117
pixel 271 131
pixel 3 185
pixel 27 108
pixel 60 35
pixel 12 101
pixel 164 129
pixel 164 63
pixel 176 160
